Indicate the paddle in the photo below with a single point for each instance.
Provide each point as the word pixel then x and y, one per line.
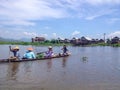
pixel 9 52
pixel 41 52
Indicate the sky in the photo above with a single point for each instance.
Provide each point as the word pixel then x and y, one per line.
pixel 59 18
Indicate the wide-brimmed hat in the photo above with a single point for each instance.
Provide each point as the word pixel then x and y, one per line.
pixel 49 46
pixel 16 47
pixel 30 48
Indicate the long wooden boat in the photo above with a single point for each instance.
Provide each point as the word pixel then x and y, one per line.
pixel 23 60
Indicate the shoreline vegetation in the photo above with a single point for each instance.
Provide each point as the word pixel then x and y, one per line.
pixel 82 41
pixel 55 44
pixel 105 44
pixel 35 43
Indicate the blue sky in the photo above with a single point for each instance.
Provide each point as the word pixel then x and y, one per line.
pixel 59 18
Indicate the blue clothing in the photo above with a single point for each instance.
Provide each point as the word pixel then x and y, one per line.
pixel 29 55
pixel 16 54
pixel 65 50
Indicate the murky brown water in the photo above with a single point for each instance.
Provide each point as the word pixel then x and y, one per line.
pixel 88 68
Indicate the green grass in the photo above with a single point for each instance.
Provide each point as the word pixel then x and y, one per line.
pixel 54 44
pixel 36 43
pixel 99 44
pixel 105 44
pixel 116 45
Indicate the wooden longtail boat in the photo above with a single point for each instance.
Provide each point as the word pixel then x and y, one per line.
pixel 23 60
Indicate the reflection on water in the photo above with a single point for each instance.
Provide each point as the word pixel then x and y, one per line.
pixel 64 61
pixel 49 65
pixel 27 67
pixel 88 68
pixel 13 68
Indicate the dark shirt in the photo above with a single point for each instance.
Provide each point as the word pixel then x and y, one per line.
pixel 15 53
pixel 65 50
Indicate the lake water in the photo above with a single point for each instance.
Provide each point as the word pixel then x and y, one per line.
pixel 88 68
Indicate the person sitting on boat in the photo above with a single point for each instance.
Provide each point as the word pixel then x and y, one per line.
pixel 15 52
pixel 65 50
pixel 29 54
pixel 49 53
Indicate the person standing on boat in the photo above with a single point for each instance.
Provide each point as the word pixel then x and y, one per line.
pixel 15 52
pixel 29 54
pixel 49 53
pixel 65 50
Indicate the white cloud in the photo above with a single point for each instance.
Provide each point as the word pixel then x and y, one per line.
pixel 17 22
pixel 88 38
pixel 54 35
pixel 44 35
pixel 113 20
pixel 30 34
pixel 24 11
pixel 98 2
pixel 34 34
pixel 100 13
pixel 75 33
pixel 114 34
pixel 14 34
pixel 47 27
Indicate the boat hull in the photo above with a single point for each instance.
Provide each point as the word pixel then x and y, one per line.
pixel 23 60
